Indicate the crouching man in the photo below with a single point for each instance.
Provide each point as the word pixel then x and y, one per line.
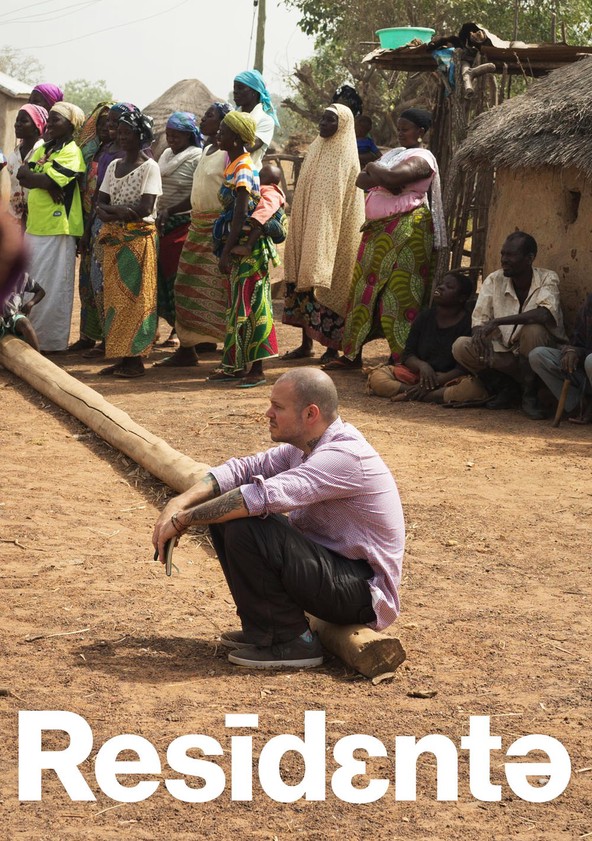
pixel 517 310
pixel 338 553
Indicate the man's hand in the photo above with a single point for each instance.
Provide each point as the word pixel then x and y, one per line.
pixel 168 530
pixel 163 525
pixel 569 360
pixel 482 343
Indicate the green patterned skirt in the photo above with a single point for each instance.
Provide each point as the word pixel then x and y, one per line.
pixel 391 281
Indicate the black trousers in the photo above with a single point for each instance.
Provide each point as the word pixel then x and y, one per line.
pixel 275 574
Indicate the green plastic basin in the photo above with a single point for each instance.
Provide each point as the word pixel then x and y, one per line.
pixel 398 36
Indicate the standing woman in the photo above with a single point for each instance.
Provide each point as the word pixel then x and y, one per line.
pixel 54 220
pixel 177 165
pixel 393 271
pixel 126 207
pixel 201 290
pixel 94 137
pixel 252 97
pixel 324 234
pixel 250 332
pixel 29 128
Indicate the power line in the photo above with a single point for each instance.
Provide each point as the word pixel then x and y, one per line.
pixel 46 17
pixel 99 31
pixel 24 8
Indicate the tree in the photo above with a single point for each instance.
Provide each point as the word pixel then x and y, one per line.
pixel 345 31
pixel 87 94
pixel 20 66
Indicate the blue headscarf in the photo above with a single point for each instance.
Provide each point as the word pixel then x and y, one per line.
pixel 253 79
pixel 186 121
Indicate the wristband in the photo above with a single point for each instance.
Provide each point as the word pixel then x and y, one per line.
pixel 179 527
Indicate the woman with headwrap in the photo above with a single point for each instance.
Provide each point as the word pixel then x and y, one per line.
pixel 324 234
pixel 90 244
pixel 126 206
pixel 29 128
pixel 346 95
pixel 252 97
pixel 200 290
pixel 250 332
pixel 94 137
pixel 54 220
pixel 391 280
pixel 46 95
pixel 177 165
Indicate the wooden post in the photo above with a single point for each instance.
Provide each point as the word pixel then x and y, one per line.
pixel 361 648
pixel 260 42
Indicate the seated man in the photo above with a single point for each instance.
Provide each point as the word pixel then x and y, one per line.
pixel 573 362
pixel 517 310
pixel 336 555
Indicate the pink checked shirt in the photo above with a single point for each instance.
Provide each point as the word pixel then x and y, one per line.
pixel 342 496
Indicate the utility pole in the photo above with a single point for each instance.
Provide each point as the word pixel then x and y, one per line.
pixel 260 43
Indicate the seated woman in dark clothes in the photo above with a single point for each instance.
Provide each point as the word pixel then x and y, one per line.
pixel 428 364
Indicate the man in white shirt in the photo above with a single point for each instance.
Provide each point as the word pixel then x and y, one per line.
pixel 518 309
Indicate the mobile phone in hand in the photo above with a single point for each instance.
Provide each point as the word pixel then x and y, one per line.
pixel 168 556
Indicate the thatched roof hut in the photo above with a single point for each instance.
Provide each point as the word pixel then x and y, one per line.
pixel 187 95
pixel 549 125
pixel 539 146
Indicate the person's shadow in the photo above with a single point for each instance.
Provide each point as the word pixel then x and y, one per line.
pixel 155 659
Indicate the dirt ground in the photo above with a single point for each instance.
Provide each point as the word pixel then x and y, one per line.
pixel 495 613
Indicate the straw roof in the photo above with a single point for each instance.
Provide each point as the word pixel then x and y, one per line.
pixel 187 95
pixel 549 125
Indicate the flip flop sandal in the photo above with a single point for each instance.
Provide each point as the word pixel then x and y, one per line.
pixel 251 383
pixel 220 377
pixel 297 353
pixel 340 365
pixel 127 374
pixel 109 370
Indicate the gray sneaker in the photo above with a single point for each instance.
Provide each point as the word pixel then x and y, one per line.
pixel 295 654
pixel 235 639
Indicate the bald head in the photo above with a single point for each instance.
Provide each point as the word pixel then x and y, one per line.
pixel 313 386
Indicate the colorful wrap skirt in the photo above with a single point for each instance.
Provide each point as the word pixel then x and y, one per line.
pixel 129 287
pixel 391 281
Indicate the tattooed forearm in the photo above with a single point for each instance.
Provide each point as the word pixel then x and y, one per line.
pixel 215 510
pixel 212 483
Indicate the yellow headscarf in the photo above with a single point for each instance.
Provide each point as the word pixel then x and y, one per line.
pixel 72 113
pixel 243 125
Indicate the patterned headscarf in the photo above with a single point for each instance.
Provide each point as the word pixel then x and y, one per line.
pixel 72 113
pixel 88 139
pixel 38 114
pixel 50 93
pixel 349 96
pixel 140 123
pixel 254 80
pixel 187 122
pixel 122 107
pixel 241 124
pixel 223 108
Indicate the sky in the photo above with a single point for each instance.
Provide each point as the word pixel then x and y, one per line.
pixel 150 45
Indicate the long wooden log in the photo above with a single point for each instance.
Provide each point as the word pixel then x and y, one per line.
pixel 372 654
pixel 176 470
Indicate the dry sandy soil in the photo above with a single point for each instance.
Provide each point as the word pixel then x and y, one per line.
pixel 495 620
